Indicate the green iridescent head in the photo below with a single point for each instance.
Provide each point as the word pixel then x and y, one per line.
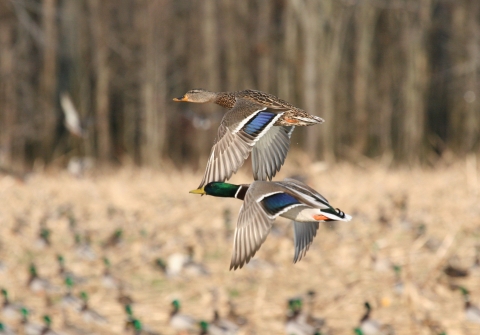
pixel 358 331
pixel 137 325
pixel 84 296
pixel 203 325
pixel 4 293
pixel 176 304
pixel 128 310
pixel 33 269
pixel 47 320
pixel 464 291
pixel 69 282
pixel 24 312
pixel 218 189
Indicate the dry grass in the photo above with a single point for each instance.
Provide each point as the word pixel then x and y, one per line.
pixel 159 218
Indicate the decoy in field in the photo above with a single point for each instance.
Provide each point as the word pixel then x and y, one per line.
pixel 263 203
pixel 123 298
pixel 185 263
pixel 234 317
pixel 256 122
pixel 310 318
pixel 369 326
pixel 88 313
pixel 108 280
pixel 10 310
pixel 472 312
pixel 398 286
pixel 295 321
pixel 38 284
pixel 34 329
pixel 135 325
pixel 6 330
pixel 84 249
pixel 68 299
pixel 43 239
pixel 114 239
pixel 64 273
pixel 29 328
pixel 181 322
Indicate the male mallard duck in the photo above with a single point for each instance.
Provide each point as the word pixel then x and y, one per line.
pixel 29 328
pixel 34 329
pixel 6 330
pixel 369 326
pixel 136 325
pixel 108 280
pixel 213 329
pixel 43 239
pixel 295 321
pixel 398 286
pixel 115 239
pixel 185 263
pixel 249 126
pixel 38 284
pixel 68 299
pixel 472 312
pixel 10 310
pixel 310 318
pixel 84 249
pixel 64 273
pixel 88 313
pixel 180 322
pixel 263 203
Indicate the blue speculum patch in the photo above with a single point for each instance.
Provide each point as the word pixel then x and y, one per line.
pixel 277 202
pixel 258 123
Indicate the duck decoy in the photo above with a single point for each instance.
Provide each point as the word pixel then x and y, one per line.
pixel 88 313
pixel 369 326
pixel 10 310
pixel 472 312
pixel 180 322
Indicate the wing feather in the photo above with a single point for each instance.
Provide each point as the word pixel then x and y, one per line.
pixel 252 229
pixel 240 130
pixel 270 152
pixel 304 233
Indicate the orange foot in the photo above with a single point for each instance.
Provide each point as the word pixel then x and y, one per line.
pixel 293 121
pixel 320 217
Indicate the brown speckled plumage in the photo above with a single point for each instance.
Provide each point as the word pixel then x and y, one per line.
pixel 257 123
pixel 293 116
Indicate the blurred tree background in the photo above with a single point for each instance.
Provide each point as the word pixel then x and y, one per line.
pixel 394 80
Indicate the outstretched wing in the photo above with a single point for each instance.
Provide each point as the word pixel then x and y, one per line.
pixel 241 128
pixel 269 153
pixel 263 203
pixel 304 232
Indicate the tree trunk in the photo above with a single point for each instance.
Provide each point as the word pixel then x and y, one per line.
pixel 48 87
pixel 8 101
pixel 99 12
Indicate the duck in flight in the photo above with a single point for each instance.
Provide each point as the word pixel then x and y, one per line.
pixel 263 202
pixel 256 122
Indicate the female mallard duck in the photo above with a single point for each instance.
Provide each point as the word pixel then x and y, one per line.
pixel 263 203
pixel 249 127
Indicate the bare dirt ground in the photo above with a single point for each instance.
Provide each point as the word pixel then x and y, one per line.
pixel 419 219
